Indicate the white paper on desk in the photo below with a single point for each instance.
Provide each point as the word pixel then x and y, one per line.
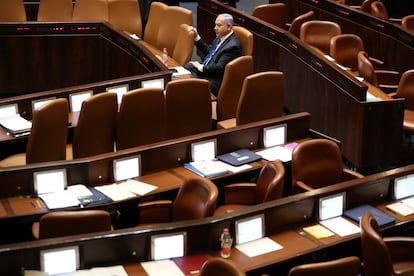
pixel 60 199
pixel 16 123
pixel 340 226
pixel 164 267
pixel 259 247
pixel 234 169
pixel 274 153
pixel 180 71
pixel 137 187
pixel 409 202
pixel 372 98
pixel 117 270
pixel 115 192
pixel 79 191
pixel 400 208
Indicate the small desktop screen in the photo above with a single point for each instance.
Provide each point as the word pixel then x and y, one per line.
pixel 274 135
pixel 331 206
pixel 38 103
pixel 50 181
pixel 76 100
pixel 59 260
pixel 168 246
pixel 126 168
pixel 249 229
pixel 404 186
pixel 155 83
pixel 204 150
pixel 120 90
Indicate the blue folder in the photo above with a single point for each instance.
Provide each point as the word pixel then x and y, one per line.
pixel 239 157
pixel 357 212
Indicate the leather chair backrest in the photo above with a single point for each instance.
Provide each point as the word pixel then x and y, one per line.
pixel 229 93
pixel 196 198
pixel 48 136
pixel 408 22
pixel 90 10
pixel 376 259
pixel 262 92
pixel 347 266
pixel 406 88
pixel 125 15
pixel 345 48
pixel 270 182
pixel 188 107
pixel 184 47
pixel 366 6
pixel 64 223
pixel 169 27
pixel 318 33
pixel 141 118
pixel 294 27
pixel 246 39
pixel 12 11
pixel 95 131
pixel 378 9
pixel 220 267
pixel 317 163
pixel 55 10
pixel 275 13
pixel 366 69
pixel 153 23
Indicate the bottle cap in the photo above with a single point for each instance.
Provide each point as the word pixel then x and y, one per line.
pixel 226 230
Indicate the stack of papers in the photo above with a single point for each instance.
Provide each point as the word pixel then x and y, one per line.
pixel 164 267
pixel 259 247
pixel 340 226
pixel 57 200
pixel 16 125
pixel 404 207
pixel 207 168
pixel 117 270
pixel 126 189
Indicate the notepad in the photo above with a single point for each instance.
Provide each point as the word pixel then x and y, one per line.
pixel 318 231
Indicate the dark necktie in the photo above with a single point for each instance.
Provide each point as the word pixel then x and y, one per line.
pixel 211 53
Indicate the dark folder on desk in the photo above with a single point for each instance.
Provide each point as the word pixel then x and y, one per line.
pixel 357 212
pixel 97 197
pixel 239 157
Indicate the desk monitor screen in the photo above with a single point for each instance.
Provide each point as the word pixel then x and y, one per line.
pixel 49 181
pixel 76 100
pixel 59 260
pixel 156 83
pixel 126 168
pixel 8 110
pixel 249 229
pixel 205 150
pixel 331 206
pixel 168 246
pixel 274 135
pixel 404 186
pixel 120 90
pixel 38 103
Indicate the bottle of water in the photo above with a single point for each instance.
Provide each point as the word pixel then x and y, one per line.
pixel 164 57
pixel 226 242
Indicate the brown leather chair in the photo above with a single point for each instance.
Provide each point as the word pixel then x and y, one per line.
pixel 317 163
pixel 366 6
pixel 220 267
pixel 294 26
pixel 318 33
pixel 141 118
pixel 55 10
pixel 262 91
pixel 90 10
pixel 269 187
pixel 246 39
pixel 125 15
pixel 408 22
pixel 48 135
pixel 196 198
pixel 379 10
pixel 346 266
pixel 275 14
pixel 229 93
pixel 384 256
pixel 169 27
pixel 12 11
pixel 184 47
pixel 95 131
pixel 406 90
pixel 188 107
pixel 386 80
pixel 153 23
pixel 65 223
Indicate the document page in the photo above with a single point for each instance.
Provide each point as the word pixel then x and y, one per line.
pixel 400 208
pixel 164 267
pixel 115 192
pixel 274 153
pixel 137 187
pixel 259 247
pixel 340 226
pixel 59 200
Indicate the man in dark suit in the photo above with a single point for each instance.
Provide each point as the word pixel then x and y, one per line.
pixel 225 47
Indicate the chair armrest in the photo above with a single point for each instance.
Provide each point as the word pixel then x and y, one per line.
pixel 350 174
pixel 395 20
pixel 393 95
pixel 401 248
pixel 388 77
pixel 157 211
pixel 302 187
pixel 240 193
pixel 376 62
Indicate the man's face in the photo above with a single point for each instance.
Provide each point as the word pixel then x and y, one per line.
pixel 221 28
